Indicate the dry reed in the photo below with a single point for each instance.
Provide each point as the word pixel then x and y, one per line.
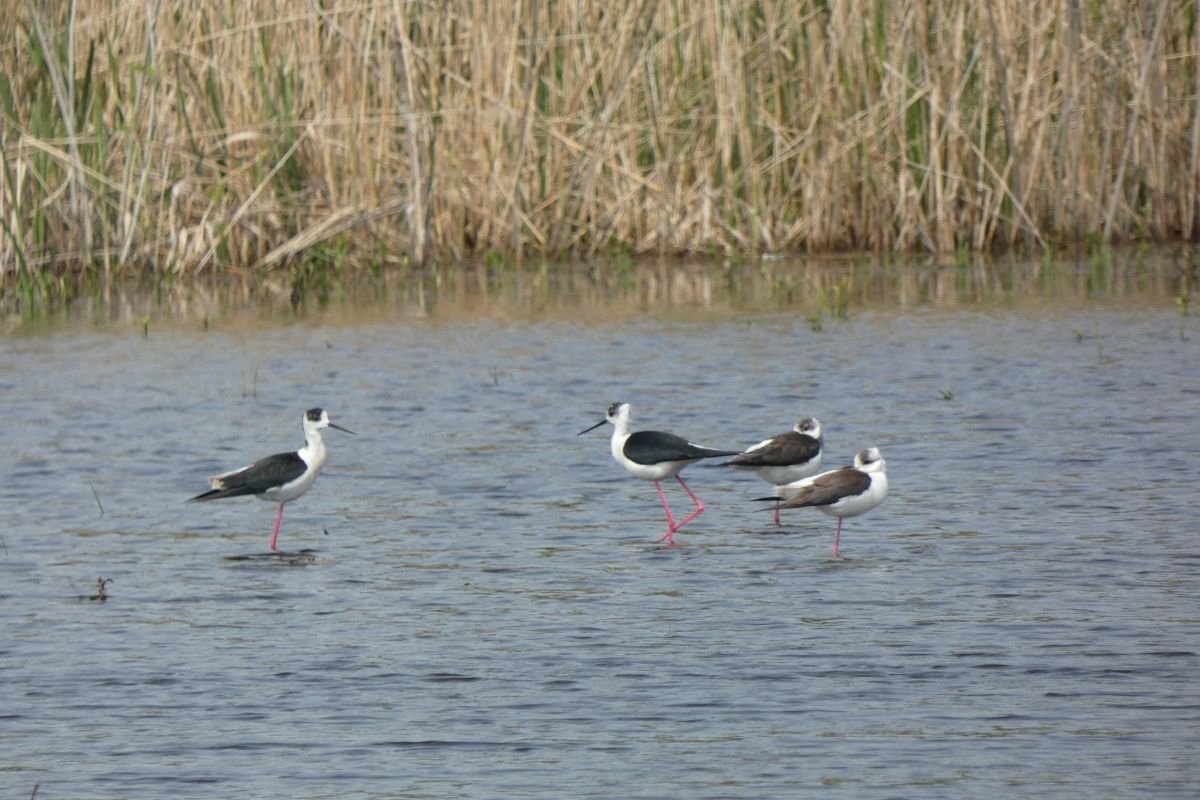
pixel 182 137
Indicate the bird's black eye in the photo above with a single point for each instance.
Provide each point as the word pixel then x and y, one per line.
pixel 612 410
pixel 313 415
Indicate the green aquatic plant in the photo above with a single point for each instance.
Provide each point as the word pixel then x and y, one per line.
pixel 837 297
pixel 620 259
pixel 316 278
pixel 496 259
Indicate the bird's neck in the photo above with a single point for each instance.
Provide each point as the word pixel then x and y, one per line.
pixel 619 437
pixel 313 451
pixel 621 427
pixel 879 481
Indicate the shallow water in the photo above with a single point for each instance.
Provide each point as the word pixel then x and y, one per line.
pixel 474 605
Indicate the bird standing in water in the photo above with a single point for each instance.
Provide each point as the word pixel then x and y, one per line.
pixel 787 457
pixel 279 478
pixel 654 456
pixel 841 493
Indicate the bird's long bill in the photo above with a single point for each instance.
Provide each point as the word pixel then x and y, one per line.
pixel 343 430
pixel 597 425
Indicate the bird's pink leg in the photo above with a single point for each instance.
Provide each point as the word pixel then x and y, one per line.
pixel 778 503
pixel 669 536
pixel 837 537
pixel 278 522
pixel 699 506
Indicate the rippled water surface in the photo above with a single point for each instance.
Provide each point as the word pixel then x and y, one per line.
pixel 472 603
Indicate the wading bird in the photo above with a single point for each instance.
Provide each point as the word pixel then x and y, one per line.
pixel 654 456
pixel 841 493
pixel 279 478
pixel 787 457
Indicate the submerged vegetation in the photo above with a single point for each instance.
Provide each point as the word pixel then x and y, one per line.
pixel 187 138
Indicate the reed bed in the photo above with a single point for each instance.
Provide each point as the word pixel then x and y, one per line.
pixel 181 137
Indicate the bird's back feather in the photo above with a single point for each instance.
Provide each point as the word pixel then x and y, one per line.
pixel 656 447
pixel 779 451
pixel 266 473
pixel 827 488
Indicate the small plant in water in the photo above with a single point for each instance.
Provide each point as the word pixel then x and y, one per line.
pixel 97 496
pixel 495 259
pixel 837 297
pixel 620 260
pixel 1080 336
pixel 250 390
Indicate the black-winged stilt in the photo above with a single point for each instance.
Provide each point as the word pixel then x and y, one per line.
pixel 845 492
pixel 653 456
pixel 787 457
pixel 279 478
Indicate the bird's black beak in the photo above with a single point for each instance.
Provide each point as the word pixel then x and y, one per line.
pixel 343 430
pixel 597 425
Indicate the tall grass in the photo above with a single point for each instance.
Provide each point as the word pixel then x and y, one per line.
pixel 184 137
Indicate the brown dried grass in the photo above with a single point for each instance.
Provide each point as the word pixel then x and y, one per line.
pixel 176 138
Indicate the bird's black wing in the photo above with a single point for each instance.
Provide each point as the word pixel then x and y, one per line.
pixel 266 473
pixel 655 447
